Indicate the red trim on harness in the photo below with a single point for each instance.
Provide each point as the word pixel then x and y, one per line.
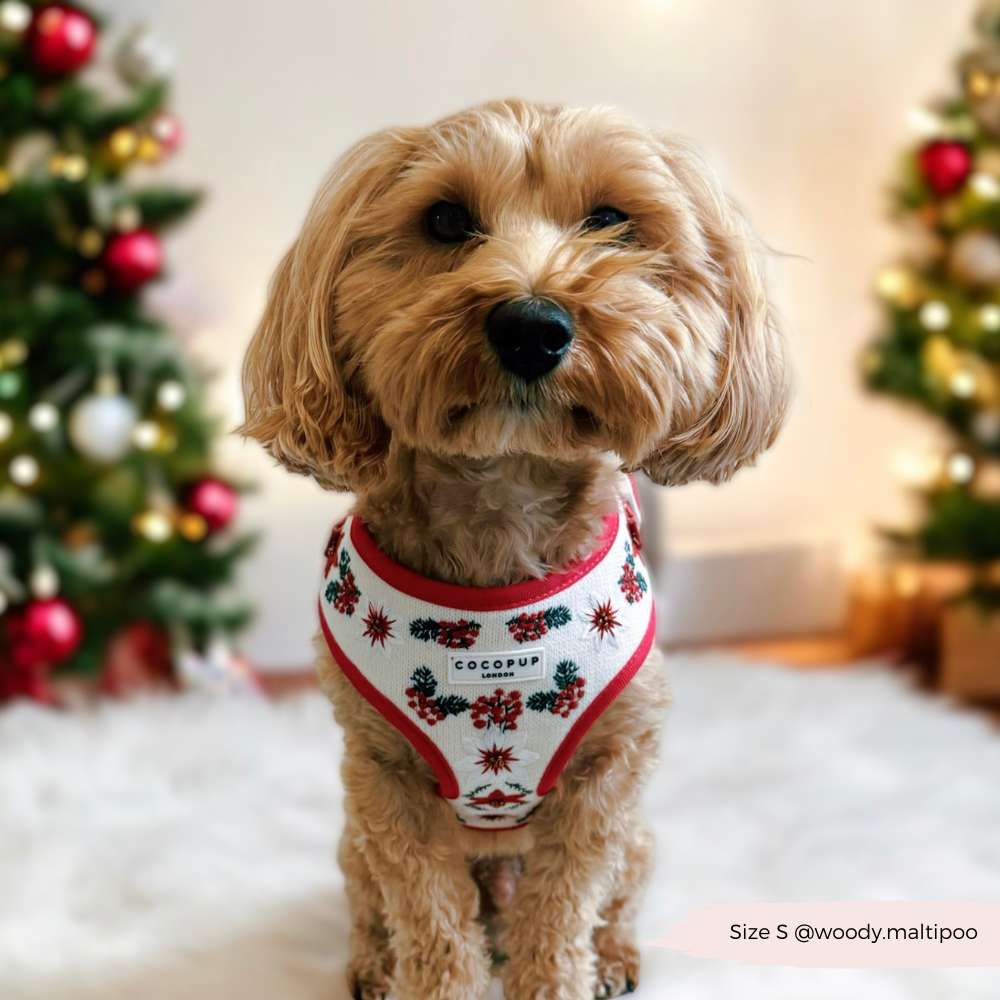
pixel 452 595
pixel 420 741
pixel 593 711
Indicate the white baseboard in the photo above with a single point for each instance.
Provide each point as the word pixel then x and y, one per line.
pixel 786 589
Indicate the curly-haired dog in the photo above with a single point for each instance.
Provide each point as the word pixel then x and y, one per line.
pixel 483 324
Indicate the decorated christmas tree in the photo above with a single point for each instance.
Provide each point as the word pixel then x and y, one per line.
pixel 940 346
pixel 115 541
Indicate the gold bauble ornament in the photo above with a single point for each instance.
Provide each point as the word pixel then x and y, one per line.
pixel 192 527
pixel 940 358
pixel 75 167
pixel 900 286
pixel 90 243
pixel 123 143
pixel 149 150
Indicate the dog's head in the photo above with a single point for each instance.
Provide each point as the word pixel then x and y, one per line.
pixel 518 279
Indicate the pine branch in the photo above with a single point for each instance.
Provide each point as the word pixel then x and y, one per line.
pixel 423 682
pixel 542 701
pixel 425 629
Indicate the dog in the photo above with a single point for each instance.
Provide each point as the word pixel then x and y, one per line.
pixel 483 325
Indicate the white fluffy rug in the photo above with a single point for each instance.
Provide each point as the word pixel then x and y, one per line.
pixel 184 849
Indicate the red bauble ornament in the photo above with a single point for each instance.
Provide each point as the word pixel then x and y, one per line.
pixel 167 130
pixel 214 500
pixel 43 633
pixel 132 259
pixel 62 38
pixel 945 166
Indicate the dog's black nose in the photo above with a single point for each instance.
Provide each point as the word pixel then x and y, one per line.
pixel 529 335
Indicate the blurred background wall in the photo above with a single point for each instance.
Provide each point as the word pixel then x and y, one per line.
pixel 800 105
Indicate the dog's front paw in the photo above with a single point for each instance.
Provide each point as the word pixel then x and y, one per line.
pixel 617 963
pixel 368 978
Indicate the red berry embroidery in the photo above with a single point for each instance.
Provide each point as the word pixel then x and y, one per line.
pixel 531 627
pixel 453 635
pixel 501 709
pixel 567 698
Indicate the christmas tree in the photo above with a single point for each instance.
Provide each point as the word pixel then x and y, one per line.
pixel 940 348
pixel 113 530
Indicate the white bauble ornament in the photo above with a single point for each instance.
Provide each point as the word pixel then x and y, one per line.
pixel 143 59
pixel 975 258
pixel 986 427
pixel 100 426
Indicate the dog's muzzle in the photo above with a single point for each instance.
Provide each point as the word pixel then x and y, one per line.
pixel 530 336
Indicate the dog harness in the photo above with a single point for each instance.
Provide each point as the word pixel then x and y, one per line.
pixel 494 687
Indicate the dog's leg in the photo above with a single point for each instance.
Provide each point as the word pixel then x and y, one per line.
pixel 615 940
pixel 370 967
pixel 431 900
pixel 586 834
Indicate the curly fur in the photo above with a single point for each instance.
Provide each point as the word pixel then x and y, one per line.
pixel 370 371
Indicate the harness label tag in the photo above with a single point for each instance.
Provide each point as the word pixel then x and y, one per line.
pixel 509 667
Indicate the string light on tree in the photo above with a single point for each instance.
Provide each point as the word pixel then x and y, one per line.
pixel 171 395
pixel 935 315
pixel 43 417
pixel 192 527
pixel 153 525
pixel 24 470
pixel 986 186
pixel 13 352
pixel 989 317
pixel 43 582
pixel 10 384
pixel 960 467
pixel 6 426
pixel 15 17
pixel 146 435
pixel 963 383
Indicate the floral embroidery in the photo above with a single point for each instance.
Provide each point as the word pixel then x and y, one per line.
pixel 633 584
pixel 343 594
pixel 604 619
pixel 501 709
pixel 497 753
pixel 421 695
pixel 455 635
pixel 531 627
pixel 336 537
pixel 633 528
pixel 568 696
pixel 497 797
pixel 378 627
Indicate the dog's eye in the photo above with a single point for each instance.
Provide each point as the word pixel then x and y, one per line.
pixel 450 223
pixel 604 217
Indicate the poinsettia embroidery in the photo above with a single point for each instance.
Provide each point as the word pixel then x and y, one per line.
pixel 336 537
pixel 497 754
pixel 343 593
pixel 531 627
pixel 603 620
pixel 568 696
pixel 378 627
pixel 497 798
pixel 501 709
pixel 455 635
pixel 422 698
pixel 633 584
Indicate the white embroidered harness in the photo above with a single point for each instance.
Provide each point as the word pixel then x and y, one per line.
pixel 494 686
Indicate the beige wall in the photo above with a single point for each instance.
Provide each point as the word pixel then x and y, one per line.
pixel 800 104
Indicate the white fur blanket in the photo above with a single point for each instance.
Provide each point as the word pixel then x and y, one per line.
pixel 181 848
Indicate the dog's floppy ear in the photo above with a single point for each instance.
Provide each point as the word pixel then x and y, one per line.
pixel 298 403
pixel 721 277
